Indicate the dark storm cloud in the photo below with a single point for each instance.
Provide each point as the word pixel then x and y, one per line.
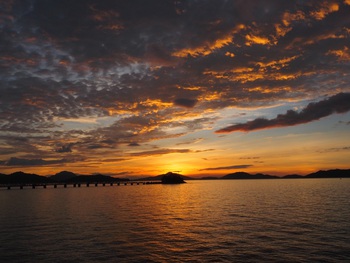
pixel 65 148
pixel 31 162
pixel 233 167
pixel 339 103
pixel 188 103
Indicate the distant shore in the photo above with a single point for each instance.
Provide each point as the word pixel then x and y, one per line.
pixel 66 177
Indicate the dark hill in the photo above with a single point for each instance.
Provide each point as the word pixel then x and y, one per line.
pixel 24 178
pixel 159 177
pixel 244 175
pixel 172 178
pixel 337 173
pixel 63 176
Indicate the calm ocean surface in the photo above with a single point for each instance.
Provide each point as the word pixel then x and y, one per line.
pixel 291 220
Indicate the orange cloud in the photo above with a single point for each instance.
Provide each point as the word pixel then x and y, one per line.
pixel 267 90
pixel 229 54
pixel 342 54
pixel 208 47
pixel 324 11
pixel 287 19
pixel 266 70
pixel 156 104
pixel 276 64
pixel 252 39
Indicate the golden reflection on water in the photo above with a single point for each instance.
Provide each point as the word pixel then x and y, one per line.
pixel 200 221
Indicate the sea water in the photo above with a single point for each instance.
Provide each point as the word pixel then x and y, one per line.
pixel 287 220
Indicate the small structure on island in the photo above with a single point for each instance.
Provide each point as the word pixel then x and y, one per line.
pixel 172 178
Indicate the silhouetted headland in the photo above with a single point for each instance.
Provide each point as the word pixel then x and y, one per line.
pixel 337 173
pixel 24 178
pixel 63 176
pixel 243 175
pixel 172 178
pixel 159 177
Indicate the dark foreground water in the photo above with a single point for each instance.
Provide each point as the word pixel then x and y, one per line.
pixel 296 220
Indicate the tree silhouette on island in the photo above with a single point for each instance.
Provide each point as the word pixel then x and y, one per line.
pixel 172 178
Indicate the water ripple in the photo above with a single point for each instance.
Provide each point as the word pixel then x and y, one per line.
pixel 201 221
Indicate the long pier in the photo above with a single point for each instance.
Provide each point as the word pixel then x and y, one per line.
pixel 75 185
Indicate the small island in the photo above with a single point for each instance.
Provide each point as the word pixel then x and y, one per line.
pixel 172 178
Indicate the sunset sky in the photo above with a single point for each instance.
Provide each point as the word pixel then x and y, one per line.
pixel 132 88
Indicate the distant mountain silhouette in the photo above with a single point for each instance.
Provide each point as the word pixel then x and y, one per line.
pixel 244 175
pixel 69 177
pixel 337 173
pixel 23 178
pixel 172 178
pixel 63 176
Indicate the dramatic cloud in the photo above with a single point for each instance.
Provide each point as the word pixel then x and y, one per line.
pixel 84 78
pixel 233 167
pixel 339 103
pixel 65 148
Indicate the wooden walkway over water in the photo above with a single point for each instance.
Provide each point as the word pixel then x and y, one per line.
pixel 75 185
